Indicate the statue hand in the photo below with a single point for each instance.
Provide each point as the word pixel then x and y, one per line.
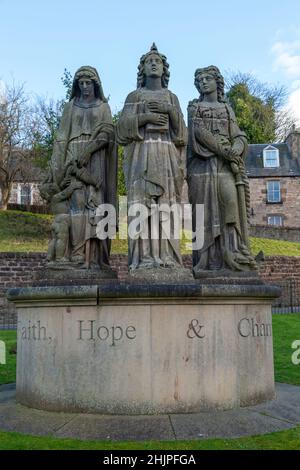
pixel 66 182
pixel 85 157
pixel 155 118
pixel 76 185
pixel 158 107
pixel 232 156
pixel 152 118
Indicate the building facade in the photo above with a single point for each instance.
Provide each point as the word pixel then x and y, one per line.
pixel 24 194
pixel 274 175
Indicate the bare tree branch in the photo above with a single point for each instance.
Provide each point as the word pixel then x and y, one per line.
pixel 15 151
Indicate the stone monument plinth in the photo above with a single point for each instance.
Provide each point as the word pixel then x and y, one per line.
pixel 137 348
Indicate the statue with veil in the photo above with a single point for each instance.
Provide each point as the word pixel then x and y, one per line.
pixel 82 176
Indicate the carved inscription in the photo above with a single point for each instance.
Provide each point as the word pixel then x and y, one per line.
pixel 247 327
pixel 34 331
pixel 88 330
pixel 195 330
pixel 250 327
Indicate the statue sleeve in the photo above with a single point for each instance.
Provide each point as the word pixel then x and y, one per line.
pixel 127 128
pixel 105 128
pixel 60 145
pixel 178 135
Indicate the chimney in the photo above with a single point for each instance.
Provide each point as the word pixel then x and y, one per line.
pixel 293 142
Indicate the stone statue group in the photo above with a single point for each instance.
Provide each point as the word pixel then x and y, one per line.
pixel 159 153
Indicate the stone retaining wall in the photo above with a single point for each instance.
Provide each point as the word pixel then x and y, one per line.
pixel 290 234
pixel 16 269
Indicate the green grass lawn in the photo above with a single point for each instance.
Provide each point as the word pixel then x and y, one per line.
pixel 24 231
pixel 286 328
pixel 274 247
pixel 283 440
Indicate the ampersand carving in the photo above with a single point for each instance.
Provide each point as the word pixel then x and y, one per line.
pixel 195 330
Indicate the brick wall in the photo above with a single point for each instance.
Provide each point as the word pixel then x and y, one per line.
pixel 16 269
pixel 289 208
pixel 284 271
pixel 277 268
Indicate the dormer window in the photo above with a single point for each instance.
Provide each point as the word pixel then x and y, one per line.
pixel 271 157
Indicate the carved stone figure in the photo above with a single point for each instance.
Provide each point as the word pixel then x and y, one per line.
pixel 58 200
pixel 217 179
pixel 83 172
pixel 152 129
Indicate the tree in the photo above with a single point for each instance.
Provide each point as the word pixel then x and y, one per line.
pixel 16 127
pixel 47 118
pixel 48 115
pixel 121 178
pixel 67 81
pixel 259 108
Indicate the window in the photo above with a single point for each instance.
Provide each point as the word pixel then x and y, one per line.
pixel 271 157
pixel 24 194
pixel 273 191
pixel 274 220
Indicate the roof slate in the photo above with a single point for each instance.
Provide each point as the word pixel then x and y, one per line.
pixel 288 166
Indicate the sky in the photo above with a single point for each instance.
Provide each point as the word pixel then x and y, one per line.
pixel 38 39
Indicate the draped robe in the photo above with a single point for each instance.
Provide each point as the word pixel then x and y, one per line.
pixel 154 165
pixel 79 126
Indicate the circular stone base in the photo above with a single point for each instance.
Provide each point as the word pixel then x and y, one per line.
pixel 283 413
pixel 121 348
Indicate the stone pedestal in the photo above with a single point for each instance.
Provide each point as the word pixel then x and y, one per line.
pixel 124 348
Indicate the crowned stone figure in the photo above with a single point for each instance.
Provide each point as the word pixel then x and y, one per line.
pixel 152 129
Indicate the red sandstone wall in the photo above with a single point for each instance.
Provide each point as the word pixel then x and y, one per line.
pixel 16 268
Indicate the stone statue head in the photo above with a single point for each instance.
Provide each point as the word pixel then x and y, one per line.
pixel 87 72
pixel 216 74
pixel 141 77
